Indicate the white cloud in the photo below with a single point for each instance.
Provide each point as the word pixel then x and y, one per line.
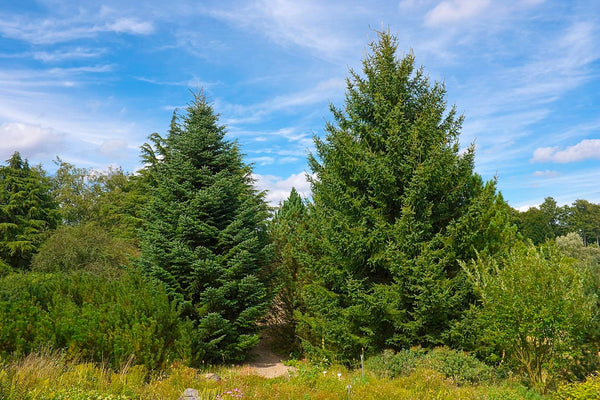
pixel 455 11
pixel 526 207
pixel 262 160
pixel 586 149
pixel 30 140
pixel 62 55
pixel 546 174
pixel 322 27
pixel 130 25
pixel 288 160
pixel 113 147
pixel 322 92
pixel 61 29
pixel 278 189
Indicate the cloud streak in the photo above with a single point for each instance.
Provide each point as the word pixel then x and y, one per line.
pixel 59 29
pixel 453 11
pixel 584 150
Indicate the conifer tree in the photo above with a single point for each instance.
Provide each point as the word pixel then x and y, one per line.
pixel 287 229
pixel 205 236
pixel 396 204
pixel 27 211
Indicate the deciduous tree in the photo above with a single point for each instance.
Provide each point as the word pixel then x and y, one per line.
pixel 535 307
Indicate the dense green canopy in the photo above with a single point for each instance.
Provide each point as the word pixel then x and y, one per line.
pixel 396 204
pixel 205 232
pixel 27 211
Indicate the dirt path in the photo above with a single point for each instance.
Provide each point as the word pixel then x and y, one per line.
pixel 264 362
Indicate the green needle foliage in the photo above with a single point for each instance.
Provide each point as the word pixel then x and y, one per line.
pixel 286 230
pixel 205 235
pixel 91 317
pixel 396 204
pixel 27 211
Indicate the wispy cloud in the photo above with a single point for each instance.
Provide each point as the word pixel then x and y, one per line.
pixel 586 149
pixel 546 174
pixel 129 25
pixel 59 29
pixel 56 56
pixel 279 188
pixel 262 160
pixel 322 27
pixel 452 11
pixel 190 83
pixel 52 77
pixel 322 92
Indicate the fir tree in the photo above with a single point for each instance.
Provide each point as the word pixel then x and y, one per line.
pixel 205 236
pixel 396 204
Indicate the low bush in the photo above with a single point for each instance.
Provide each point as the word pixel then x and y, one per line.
pixel 586 390
pixel 390 364
pixel 86 247
pixel 459 366
pixel 91 317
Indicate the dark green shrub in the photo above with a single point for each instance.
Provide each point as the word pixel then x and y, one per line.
pixel 89 316
pixel 391 364
pixel 459 366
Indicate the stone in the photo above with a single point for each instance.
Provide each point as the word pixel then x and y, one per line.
pixel 212 377
pixel 190 394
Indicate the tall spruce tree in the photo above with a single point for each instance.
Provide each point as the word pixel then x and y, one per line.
pixel 396 204
pixel 27 211
pixel 205 236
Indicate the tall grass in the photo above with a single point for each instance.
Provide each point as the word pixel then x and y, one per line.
pixel 54 377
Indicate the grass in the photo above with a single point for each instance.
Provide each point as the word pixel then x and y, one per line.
pixel 54 377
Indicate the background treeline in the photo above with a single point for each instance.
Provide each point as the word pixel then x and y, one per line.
pixel 402 247
pixel 548 221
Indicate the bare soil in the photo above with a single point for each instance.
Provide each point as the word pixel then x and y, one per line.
pixel 265 362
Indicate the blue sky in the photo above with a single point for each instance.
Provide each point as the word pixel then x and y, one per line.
pixel 89 81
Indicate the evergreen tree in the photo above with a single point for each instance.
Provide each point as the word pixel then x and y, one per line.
pixel 27 211
pixel 396 204
pixel 205 235
pixel 287 228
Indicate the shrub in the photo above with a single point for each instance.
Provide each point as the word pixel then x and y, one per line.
pixel 83 247
pixel 535 307
pixel 391 364
pixel 459 366
pixel 90 317
pixel 587 390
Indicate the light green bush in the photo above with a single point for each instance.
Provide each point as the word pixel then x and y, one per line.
pixel 587 390
pixel 459 366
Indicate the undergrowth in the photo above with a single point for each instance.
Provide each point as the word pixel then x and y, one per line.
pixel 54 377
